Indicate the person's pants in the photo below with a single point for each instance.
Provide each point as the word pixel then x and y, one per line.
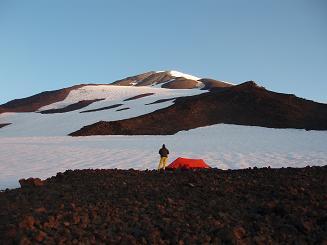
pixel 162 163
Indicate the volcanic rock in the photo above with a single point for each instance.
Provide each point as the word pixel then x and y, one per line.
pixel 4 124
pixel 103 108
pixel 262 206
pixel 138 96
pixel 73 107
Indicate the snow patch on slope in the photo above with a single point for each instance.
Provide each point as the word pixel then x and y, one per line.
pixel 180 74
pixel 61 124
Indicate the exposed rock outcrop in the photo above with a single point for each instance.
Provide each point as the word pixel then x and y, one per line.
pixel 123 109
pixel 139 96
pixel 4 124
pixel 103 108
pixel 161 101
pixel 73 107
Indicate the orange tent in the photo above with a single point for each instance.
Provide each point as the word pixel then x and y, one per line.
pixel 187 163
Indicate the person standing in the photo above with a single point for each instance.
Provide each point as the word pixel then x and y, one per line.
pixel 164 152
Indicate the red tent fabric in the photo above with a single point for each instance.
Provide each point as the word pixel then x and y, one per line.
pixel 187 163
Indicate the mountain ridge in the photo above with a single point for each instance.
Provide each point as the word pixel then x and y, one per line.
pixel 151 103
pixel 166 79
pixel 244 104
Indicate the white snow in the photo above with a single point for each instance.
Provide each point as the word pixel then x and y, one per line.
pixel 187 76
pixel 180 74
pixel 222 146
pixel 61 124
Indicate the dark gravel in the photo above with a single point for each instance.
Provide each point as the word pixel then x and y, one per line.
pixel 252 206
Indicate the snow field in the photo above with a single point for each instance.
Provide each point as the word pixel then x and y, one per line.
pixel 223 146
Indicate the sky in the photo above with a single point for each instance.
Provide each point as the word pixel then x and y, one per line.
pixel 47 45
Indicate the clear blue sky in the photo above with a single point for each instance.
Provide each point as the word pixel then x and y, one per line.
pixel 46 45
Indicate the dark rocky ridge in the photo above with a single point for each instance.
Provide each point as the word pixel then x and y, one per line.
pixel 103 108
pixel 250 206
pixel 4 124
pixel 33 103
pixel 73 107
pixel 244 104
pixel 161 101
pixel 123 109
pixel 138 96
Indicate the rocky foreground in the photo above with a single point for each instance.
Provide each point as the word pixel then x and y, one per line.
pixel 252 206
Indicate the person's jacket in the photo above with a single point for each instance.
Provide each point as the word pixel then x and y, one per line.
pixel 163 152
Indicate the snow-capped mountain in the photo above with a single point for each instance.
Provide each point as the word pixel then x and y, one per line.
pixel 66 110
pixel 139 104
pixel 172 80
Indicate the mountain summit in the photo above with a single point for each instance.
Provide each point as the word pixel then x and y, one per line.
pixel 172 80
pixel 155 79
